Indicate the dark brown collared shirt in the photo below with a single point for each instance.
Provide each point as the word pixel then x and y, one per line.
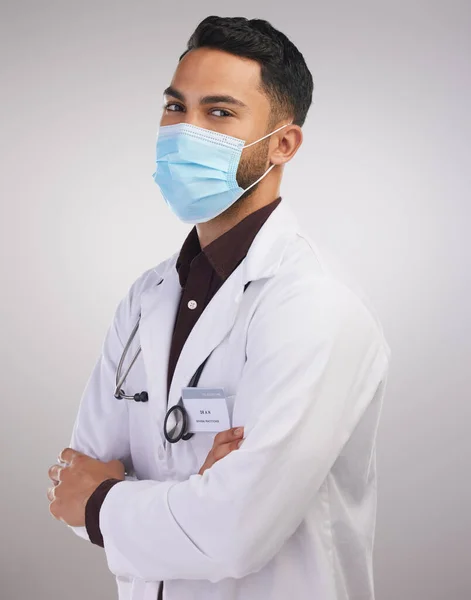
pixel 201 273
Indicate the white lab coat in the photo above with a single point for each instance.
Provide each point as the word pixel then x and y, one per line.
pixel 291 513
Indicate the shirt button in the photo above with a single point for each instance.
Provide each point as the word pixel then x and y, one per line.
pixel 192 304
pixel 160 453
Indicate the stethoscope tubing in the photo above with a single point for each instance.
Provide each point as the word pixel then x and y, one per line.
pixel 119 393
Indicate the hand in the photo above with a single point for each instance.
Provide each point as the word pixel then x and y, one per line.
pixel 75 482
pixel 224 443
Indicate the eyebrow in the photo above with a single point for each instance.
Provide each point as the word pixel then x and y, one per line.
pixel 214 99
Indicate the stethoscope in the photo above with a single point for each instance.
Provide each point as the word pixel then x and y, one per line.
pixel 176 420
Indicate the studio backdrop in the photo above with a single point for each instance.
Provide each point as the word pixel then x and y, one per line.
pixel 381 183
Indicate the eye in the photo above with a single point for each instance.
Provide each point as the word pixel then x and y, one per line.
pixel 169 104
pixel 221 110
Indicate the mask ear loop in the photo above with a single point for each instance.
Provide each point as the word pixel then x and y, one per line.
pixel 260 178
pixel 265 136
pixel 270 168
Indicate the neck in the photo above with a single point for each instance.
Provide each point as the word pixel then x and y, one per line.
pixel 211 230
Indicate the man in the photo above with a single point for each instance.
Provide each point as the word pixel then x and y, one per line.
pixel 286 506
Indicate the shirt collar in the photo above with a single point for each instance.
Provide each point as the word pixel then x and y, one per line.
pixel 229 249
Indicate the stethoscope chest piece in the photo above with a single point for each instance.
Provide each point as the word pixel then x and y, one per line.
pixel 176 424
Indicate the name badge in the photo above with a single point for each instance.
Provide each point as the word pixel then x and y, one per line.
pixel 207 409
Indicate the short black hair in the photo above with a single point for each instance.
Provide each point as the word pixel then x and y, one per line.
pixel 285 78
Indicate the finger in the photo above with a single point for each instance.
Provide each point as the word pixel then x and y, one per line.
pixel 68 454
pixel 50 494
pixel 224 449
pixel 54 473
pixel 224 437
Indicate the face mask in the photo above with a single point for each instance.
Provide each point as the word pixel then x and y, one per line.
pixel 196 170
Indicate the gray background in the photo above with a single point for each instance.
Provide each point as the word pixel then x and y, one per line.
pixel 381 182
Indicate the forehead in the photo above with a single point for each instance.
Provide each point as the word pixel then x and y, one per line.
pixel 207 71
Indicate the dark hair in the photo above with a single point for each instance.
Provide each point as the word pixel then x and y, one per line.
pixel 285 78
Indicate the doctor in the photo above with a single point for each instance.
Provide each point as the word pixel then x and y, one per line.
pixel 244 327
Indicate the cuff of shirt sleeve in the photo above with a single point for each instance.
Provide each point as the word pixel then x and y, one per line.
pixel 92 511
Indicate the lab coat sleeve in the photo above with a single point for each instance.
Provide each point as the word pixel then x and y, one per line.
pixel 315 357
pixel 101 427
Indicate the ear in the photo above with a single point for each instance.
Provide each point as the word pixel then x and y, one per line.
pixel 285 144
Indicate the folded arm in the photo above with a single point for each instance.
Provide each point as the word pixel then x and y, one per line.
pixel 315 358
pixel 101 427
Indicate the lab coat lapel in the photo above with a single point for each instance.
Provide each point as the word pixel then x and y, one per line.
pixel 158 311
pixel 210 329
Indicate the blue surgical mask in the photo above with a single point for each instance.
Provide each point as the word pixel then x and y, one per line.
pixel 196 170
